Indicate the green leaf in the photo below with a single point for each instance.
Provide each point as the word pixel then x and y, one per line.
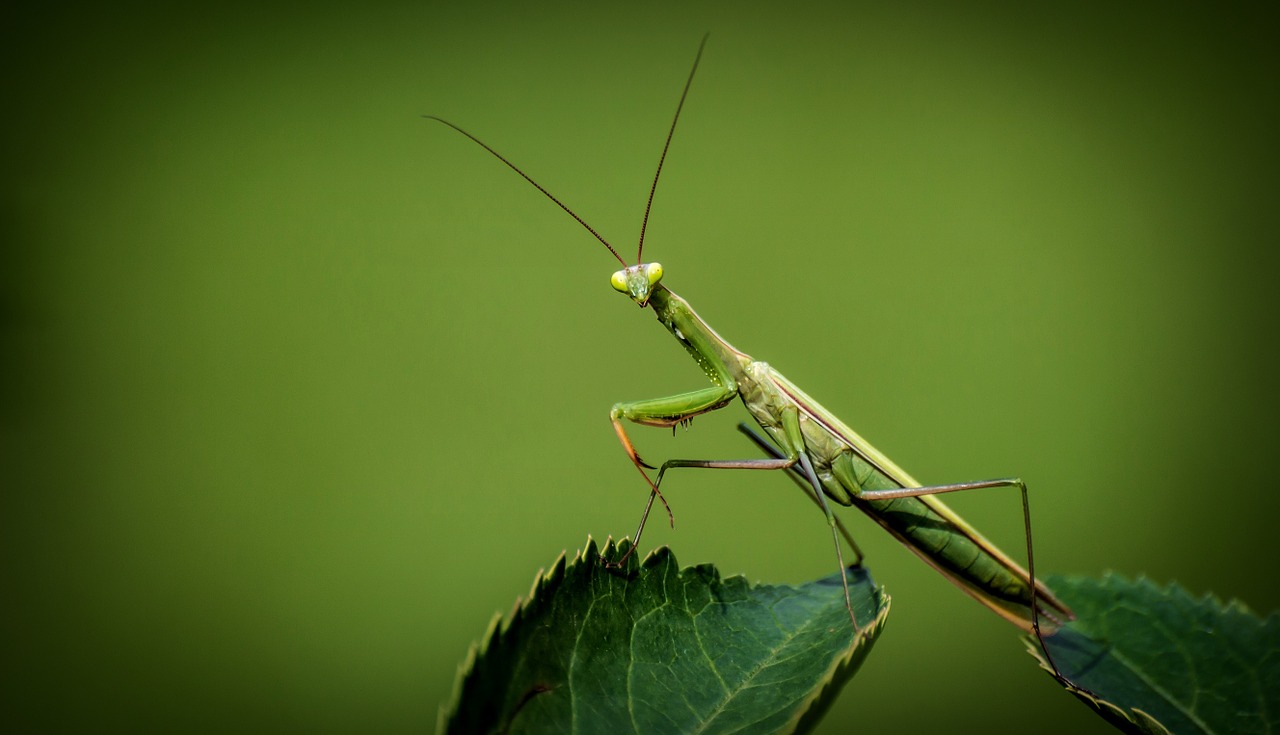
pixel 1153 660
pixel 651 648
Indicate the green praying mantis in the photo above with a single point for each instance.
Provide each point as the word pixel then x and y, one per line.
pixel 830 461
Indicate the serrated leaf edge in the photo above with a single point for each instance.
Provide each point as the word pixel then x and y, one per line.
pixel 544 581
pixel 833 677
pixel 1137 717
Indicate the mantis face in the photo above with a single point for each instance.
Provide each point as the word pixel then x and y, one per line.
pixel 637 281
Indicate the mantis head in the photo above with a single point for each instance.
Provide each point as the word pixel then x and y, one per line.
pixel 637 281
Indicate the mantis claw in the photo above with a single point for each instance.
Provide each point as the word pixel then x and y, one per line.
pixel 621 560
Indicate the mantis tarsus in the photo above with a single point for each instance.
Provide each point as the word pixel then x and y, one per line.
pixel 828 459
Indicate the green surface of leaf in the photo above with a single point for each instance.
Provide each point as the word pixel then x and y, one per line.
pixel 1157 660
pixel 651 648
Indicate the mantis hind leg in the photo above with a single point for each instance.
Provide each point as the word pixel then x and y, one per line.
pixel 1036 593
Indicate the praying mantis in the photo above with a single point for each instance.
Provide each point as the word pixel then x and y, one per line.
pixel 830 461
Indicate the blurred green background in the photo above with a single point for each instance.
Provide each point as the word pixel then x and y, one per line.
pixel 299 389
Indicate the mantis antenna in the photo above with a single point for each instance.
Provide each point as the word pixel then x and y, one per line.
pixel 662 159
pixel 652 189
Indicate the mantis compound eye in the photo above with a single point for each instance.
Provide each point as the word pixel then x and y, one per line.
pixel 619 281
pixel 653 272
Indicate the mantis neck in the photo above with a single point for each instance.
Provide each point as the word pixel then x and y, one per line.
pixel 723 364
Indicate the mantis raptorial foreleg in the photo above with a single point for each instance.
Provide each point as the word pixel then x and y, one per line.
pixel 667 411
pixel 682 408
